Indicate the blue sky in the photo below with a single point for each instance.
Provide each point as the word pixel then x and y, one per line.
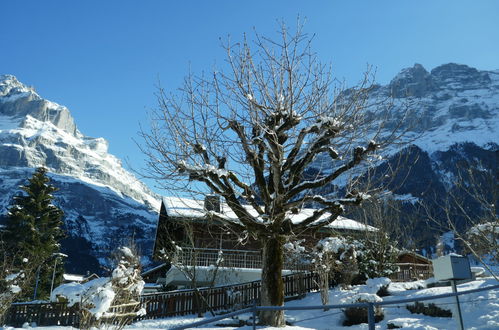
pixel 103 59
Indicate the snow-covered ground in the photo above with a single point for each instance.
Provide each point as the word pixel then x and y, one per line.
pixel 480 310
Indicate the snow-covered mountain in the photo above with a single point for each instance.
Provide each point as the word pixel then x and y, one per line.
pixel 451 104
pixel 450 123
pixel 455 119
pixel 103 203
pixel 453 126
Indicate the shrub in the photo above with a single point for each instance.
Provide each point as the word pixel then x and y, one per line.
pixel 356 315
pixel 108 300
pixel 429 310
pixel 379 286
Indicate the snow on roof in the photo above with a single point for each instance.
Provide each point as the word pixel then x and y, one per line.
pixel 73 277
pixel 349 224
pixel 191 208
pixel 147 272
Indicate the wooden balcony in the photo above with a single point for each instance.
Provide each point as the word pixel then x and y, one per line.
pixel 226 258
pixel 222 258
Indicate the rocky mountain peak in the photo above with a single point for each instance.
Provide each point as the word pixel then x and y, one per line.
pixel 460 76
pixel 103 203
pixel 37 132
pixel 415 81
pixel 10 86
pixel 19 101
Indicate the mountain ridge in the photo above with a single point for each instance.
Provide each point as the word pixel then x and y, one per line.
pixel 28 121
pixel 104 204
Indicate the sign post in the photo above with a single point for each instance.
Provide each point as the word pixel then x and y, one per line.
pixel 453 267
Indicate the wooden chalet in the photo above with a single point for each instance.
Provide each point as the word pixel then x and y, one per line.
pixel 412 267
pixel 185 226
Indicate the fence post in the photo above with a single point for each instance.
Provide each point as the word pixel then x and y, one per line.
pixel 254 314
pixel 459 316
pixel 370 316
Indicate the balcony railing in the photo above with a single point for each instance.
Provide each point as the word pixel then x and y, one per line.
pixel 220 258
pixel 226 258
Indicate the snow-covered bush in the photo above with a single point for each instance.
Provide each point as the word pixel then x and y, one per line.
pixel 379 286
pixel 338 257
pixel 356 260
pixel 376 256
pixel 345 260
pixel 357 315
pixel 113 299
pixel 429 310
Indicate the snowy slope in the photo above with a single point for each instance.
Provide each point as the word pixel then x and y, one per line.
pixel 103 203
pixel 452 104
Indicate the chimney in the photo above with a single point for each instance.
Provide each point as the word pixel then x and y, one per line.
pixel 212 203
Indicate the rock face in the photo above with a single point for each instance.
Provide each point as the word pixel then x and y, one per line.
pixel 104 204
pixel 453 103
pixel 415 81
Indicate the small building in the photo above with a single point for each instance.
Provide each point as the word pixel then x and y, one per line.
pixel 412 267
pixel 212 251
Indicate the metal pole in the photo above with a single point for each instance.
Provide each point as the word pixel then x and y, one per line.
pixel 370 316
pixel 36 281
pixel 53 277
pixel 460 317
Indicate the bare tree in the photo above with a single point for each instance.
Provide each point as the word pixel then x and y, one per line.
pixel 16 275
pixel 249 134
pixel 470 212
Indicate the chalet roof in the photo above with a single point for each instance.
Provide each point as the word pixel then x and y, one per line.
pixel 191 208
pixel 414 255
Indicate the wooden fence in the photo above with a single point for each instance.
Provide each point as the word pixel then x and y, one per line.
pixel 44 314
pixel 168 304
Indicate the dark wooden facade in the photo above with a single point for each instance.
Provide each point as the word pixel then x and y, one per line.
pixel 206 233
pixel 412 267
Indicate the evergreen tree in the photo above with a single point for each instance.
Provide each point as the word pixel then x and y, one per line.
pixel 33 231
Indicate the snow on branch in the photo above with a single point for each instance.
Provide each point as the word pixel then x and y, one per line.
pixel 359 154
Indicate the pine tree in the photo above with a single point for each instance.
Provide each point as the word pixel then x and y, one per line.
pixel 33 231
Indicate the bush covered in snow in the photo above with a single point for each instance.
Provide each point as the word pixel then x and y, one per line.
pixel 113 299
pixel 379 286
pixel 354 260
pixel 357 315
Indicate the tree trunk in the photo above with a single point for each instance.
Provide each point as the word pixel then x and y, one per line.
pixel 324 287
pixel 272 284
